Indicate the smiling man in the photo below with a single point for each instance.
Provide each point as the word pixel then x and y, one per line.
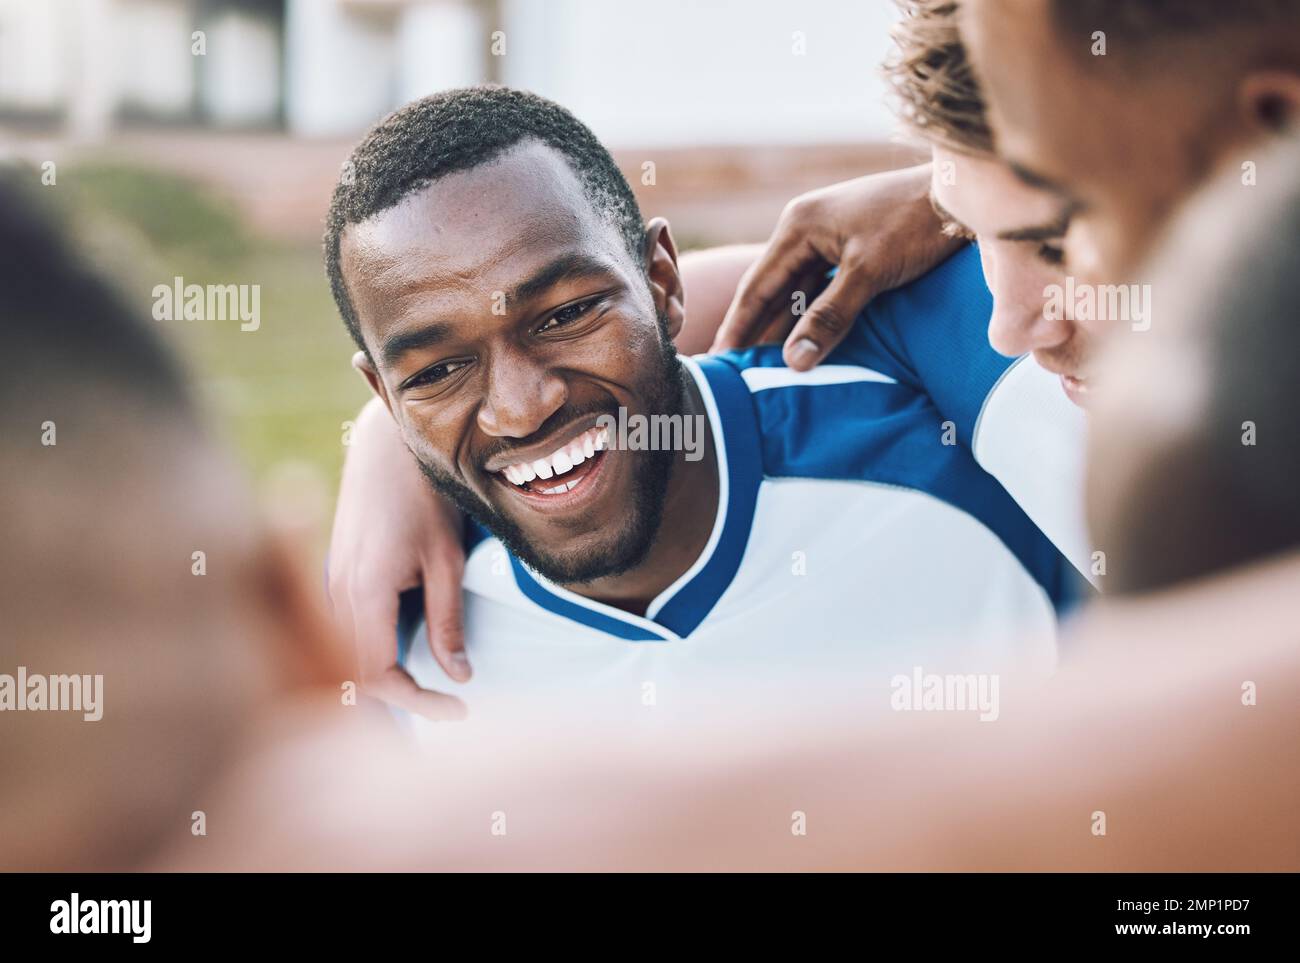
pixel 505 325
pixel 492 265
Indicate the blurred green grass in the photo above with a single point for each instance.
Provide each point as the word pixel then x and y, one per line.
pixel 280 394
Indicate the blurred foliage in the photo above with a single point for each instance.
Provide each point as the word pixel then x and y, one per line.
pixel 172 213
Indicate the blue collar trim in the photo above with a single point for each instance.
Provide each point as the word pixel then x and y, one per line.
pixel 680 608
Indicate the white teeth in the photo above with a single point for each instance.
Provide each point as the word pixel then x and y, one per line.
pixel 575 453
pixel 519 474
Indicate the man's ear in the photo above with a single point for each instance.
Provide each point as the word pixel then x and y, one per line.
pixel 1270 101
pixel 665 278
pixel 361 361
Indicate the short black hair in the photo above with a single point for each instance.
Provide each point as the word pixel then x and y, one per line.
pixel 458 130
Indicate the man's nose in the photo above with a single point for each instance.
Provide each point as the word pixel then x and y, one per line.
pixel 521 395
pixel 1019 328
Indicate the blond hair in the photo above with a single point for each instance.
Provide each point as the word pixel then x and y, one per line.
pixel 933 86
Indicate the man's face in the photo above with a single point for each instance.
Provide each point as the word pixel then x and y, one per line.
pixel 1020 232
pixel 504 316
pixel 1119 154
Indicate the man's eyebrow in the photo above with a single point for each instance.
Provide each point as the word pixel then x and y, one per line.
pixel 1050 231
pixel 397 345
pixel 1053 229
pixel 1032 178
pixel 572 264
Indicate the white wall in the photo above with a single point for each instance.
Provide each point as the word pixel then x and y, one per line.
pixel 32 74
pixel 241 70
pixel 708 71
pixel 439 45
pixel 668 72
pixel 154 60
pixel 350 62
pixel 665 72
pixel 340 66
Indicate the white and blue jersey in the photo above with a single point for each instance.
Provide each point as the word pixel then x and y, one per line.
pixel 933 336
pixel 855 533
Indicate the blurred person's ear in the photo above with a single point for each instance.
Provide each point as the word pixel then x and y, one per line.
pixel 1270 101
pixel 665 278
pixel 361 361
pixel 303 649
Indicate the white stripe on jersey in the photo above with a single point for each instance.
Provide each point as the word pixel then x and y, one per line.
pixel 760 379
pixel 1031 438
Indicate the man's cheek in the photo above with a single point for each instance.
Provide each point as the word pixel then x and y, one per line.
pixel 426 445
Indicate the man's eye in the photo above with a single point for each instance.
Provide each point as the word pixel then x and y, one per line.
pixel 1052 254
pixel 435 373
pixel 567 315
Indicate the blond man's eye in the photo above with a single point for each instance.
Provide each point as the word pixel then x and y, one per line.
pixel 1051 253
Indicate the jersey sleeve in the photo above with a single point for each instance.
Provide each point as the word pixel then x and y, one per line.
pixel 1012 415
pixel 932 335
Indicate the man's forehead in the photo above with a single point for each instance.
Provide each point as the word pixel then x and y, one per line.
pixel 984 195
pixel 1003 36
pixel 527 192
pixel 1032 85
pixel 475 230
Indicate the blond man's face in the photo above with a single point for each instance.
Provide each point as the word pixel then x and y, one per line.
pixel 1020 233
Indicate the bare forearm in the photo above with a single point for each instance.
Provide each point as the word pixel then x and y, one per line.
pixel 710 277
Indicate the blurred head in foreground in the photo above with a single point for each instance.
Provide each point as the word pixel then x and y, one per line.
pixel 1120 109
pixel 1124 107
pixel 1196 453
pixel 112 484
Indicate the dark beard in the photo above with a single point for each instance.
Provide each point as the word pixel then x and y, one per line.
pixel 665 392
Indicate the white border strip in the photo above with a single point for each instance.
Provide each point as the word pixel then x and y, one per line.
pixel 760 379
pixel 724 493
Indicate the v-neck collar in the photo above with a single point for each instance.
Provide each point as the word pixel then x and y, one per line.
pixel 679 609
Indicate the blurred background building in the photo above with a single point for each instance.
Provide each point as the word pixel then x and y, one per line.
pixel 203 137
pixel 776 70
pixel 758 93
